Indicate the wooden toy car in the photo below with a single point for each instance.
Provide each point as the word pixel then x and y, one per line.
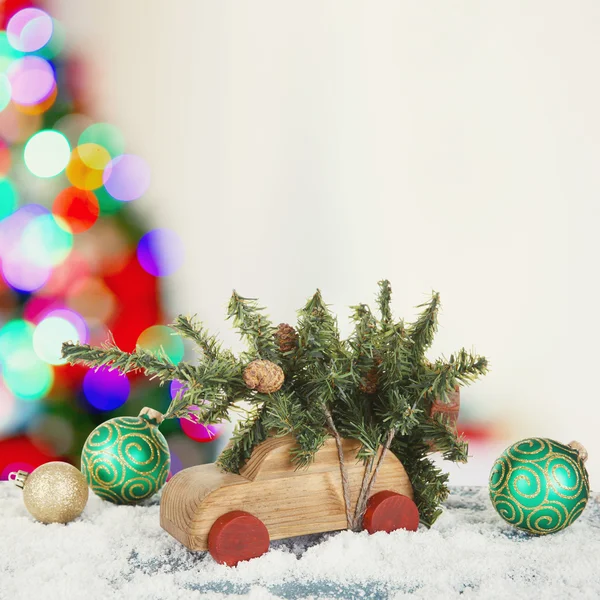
pixel 235 516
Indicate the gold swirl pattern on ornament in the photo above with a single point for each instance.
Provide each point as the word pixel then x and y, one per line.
pixel 106 429
pixel 571 469
pixel 509 510
pixel 529 448
pixel 137 423
pixel 107 494
pixel 499 472
pixel 532 480
pixel 547 519
pixel 138 488
pixel 133 441
pixel 101 462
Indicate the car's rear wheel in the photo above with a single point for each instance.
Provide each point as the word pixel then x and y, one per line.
pixel 388 511
pixel 237 536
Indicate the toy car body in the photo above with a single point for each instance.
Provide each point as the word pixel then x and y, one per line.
pixel 199 501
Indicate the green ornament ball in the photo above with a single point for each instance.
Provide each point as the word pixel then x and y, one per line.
pixel 539 485
pixel 126 460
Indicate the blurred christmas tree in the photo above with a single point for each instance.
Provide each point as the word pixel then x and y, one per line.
pixel 75 261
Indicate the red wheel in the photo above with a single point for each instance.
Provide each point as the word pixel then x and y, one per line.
pixel 388 511
pixel 237 536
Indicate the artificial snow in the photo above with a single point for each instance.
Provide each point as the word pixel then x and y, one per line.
pixel 120 552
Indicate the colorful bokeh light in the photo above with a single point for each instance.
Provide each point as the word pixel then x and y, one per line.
pixel 200 432
pixel 5 158
pixel 196 431
pixel 49 336
pixel 7 53
pixel 31 80
pixel 105 135
pixel 80 174
pixel 93 155
pixel 161 338
pixel 160 252
pixel 47 153
pixel 77 209
pixel 24 275
pixel 29 30
pixel 8 198
pixel 25 375
pixel 108 205
pixel 5 91
pixel 45 242
pixel 42 107
pixel 106 389
pixel 126 177
pixel 75 319
pixel 71 274
pixel 8 405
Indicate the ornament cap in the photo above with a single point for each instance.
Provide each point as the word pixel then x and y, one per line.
pixel 152 415
pixel 583 453
pixel 19 478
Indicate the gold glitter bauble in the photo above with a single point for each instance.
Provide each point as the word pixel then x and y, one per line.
pixel 55 492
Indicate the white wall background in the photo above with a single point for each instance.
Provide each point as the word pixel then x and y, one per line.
pixel 442 145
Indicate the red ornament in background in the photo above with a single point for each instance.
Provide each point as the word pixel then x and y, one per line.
pixel 18 451
pixel 139 309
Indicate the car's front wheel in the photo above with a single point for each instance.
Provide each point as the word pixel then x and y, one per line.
pixel 388 511
pixel 237 536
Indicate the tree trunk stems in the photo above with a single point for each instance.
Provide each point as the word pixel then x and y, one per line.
pixel 356 525
pixel 343 470
pixel 369 481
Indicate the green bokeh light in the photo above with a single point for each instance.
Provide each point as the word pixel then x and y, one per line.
pixel 7 53
pixel 106 135
pixel 15 335
pixel 56 42
pixel 25 375
pixel 5 91
pixel 45 243
pixel 158 336
pixel 108 205
pixel 8 198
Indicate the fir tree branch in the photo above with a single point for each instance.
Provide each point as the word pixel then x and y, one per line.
pixel 428 481
pixel 153 364
pixel 384 299
pixel 462 368
pixel 318 334
pixel 254 327
pixel 190 329
pixel 423 330
pixel 247 435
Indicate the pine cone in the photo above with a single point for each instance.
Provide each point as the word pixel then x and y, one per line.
pixel 286 337
pixel 368 385
pixel 263 376
pixel 369 382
